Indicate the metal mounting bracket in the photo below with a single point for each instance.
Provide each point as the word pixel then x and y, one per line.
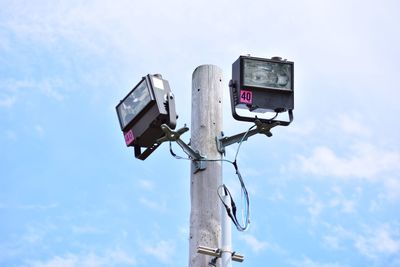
pixel 174 136
pixel 262 128
pixel 217 253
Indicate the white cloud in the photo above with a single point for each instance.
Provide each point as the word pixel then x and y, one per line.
pixel 255 244
pixel 332 241
pixel 15 88
pixel 392 188
pixel 160 206
pixel 34 207
pixel 36 233
pixel 376 242
pixel 7 102
pixel 340 201
pixel 48 88
pixel 364 161
pixel 276 196
pixel 313 205
pixel 39 207
pixel 346 206
pixel 67 261
pixel 86 230
pixel 336 237
pixel 163 251
pixel 146 184
pixel 390 194
pixel 307 262
pixel 303 129
pixel 105 26
pixel 353 125
pixel 114 257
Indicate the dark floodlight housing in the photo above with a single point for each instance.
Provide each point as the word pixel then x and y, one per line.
pixel 262 85
pixel 142 112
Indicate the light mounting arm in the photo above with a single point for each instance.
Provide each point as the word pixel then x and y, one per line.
pixel 262 128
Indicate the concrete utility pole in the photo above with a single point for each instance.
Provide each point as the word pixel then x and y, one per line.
pixel 205 222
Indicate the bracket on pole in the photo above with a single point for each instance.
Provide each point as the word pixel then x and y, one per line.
pixel 262 128
pixel 217 253
pixel 174 136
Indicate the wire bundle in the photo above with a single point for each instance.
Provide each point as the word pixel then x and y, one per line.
pixel 231 208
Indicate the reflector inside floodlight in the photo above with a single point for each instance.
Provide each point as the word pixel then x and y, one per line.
pixel 134 103
pixel 267 74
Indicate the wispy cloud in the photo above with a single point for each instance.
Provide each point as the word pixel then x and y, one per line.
pixel 163 251
pixel 363 161
pixel 7 101
pixel 160 206
pixel 276 196
pixel 379 241
pixel 307 262
pixel 145 184
pixel 255 244
pixel 86 230
pixel 342 202
pixel 374 243
pixel 313 205
pixel 35 207
pixel 353 125
pixel 332 242
pixel 392 189
pixel 258 245
pixel 303 129
pixel 335 236
pixel 16 89
pixel 113 257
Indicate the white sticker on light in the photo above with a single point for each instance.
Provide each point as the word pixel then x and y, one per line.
pixel 158 83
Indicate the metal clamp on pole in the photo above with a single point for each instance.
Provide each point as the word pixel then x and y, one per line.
pixel 174 136
pixel 262 128
pixel 216 253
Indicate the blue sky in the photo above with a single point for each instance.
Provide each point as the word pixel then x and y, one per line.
pixel 325 191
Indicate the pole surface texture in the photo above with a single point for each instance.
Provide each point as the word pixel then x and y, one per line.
pixel 226 239
pixel 205 223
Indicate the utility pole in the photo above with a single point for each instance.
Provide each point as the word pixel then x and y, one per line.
pixel 206 124
pixel 147 118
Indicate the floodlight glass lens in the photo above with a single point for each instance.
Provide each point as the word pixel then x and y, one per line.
pixel 267 74
pixel 134 103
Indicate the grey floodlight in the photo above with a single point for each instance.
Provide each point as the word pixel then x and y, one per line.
pixel 142 112
pixel 262 85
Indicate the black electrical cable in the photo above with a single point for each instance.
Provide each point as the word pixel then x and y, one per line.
pixel 175 155
pixel 231 207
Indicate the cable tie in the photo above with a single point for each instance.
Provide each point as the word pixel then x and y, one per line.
pixel 235 165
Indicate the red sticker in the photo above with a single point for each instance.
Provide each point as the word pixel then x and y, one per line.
pixel 246 97
pixel 129 138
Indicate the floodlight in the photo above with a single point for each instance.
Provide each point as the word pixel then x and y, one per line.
pixel 142 112
pixel 262 85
